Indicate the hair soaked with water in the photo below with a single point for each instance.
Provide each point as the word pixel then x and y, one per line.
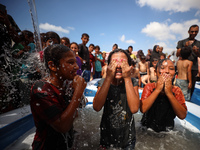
pixel 54 53
pixel 119 50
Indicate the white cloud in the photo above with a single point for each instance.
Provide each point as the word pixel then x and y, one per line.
pixel 160 31
pixel 122 38
pixel 127 41
pixel 50 27
pixel 197 13
pixel 171 5
pixel 102 34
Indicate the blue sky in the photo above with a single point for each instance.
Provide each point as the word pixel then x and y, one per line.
pixel 140 23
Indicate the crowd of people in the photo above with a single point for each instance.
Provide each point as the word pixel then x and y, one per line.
pixel 54 83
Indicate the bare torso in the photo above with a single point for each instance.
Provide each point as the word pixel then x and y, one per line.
pixel 182 67
pixel 143 66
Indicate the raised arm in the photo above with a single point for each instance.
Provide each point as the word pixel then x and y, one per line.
pixel 132 96
pixel 102 92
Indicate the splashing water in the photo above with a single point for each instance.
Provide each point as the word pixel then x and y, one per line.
pixel 33 13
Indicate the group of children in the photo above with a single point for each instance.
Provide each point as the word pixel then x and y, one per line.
pixel 54 111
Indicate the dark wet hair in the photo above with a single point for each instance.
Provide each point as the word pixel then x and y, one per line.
pixel 186 52
pixel 119 50
pixel 55 53
pixel 85 34
pixel 51 34
pixel 163 54
pixel 74 43
pixel 160 63
pixel 193 26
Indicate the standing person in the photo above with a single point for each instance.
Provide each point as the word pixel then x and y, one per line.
pixel 161 102
pixel 184 79
pixel 195 45
pixel 98 61
pixel 84 54
pixel 115 46
pixel 53 110
pixel 74 47
pixel 130 49
pixel 65 41
pixel 92 61
pixel 155 54
pixel 117 93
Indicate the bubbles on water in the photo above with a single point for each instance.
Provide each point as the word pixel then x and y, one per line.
pixel 39 89
pixel 37 104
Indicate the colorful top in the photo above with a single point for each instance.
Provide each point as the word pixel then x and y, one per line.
pixel 160 117
pixel 47 104
pixel 79 63
pixel 98 66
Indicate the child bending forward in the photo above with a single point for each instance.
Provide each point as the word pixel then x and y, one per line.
pixel 118 94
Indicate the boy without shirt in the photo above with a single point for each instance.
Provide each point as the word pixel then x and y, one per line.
pixel 143 68
pixel 184 66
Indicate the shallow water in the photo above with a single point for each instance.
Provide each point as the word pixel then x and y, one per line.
pixel 88 137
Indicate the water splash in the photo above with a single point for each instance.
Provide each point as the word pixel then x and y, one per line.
pixel 34 18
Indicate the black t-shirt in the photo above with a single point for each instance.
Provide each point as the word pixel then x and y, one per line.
pixel 117 124
pixel 84 54
pixel 193 57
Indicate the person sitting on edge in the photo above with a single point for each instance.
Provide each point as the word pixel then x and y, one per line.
pixel 118 94
pixel 53 110
pixel 161 102
pixel 184 66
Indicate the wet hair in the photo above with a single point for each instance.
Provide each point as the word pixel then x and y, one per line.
pixel 66 39
pixel 51 34
pixel 186 52
pixel 193 26
pixel 139 53
pixel 97 47
pixel 119 50
pixel 85 34
pixel 91 45
pixel 160 63
pixel 55 53
pixel 128 51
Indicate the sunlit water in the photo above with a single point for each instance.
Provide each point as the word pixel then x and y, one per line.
pixel 87 126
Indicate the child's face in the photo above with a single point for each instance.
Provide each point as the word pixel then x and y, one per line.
pixel 143 60
pixel 119 57
pixel 130 49
pixel 91 48
pixel 104 55
pixel 157 49
pixel 167 67
pixel 68 66
pixel 74 47
pixel 97 50
pixel 85 40
pixel 52 41
pixel 154 63
pixel 63 42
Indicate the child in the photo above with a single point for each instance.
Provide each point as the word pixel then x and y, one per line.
pixel 184 79
pixel 92 61
pixel 65 41
pixel 117 94
pixel 98 61
pixel 161 102
pixel 54 111
pixel 74 47
pixel 104 69
pixel 84 54
pixel 134 71
pixel 152 77
pixel 162 56
pixel 143 68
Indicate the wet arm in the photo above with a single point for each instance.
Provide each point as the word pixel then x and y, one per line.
pixel 101 95
pixel 132 97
